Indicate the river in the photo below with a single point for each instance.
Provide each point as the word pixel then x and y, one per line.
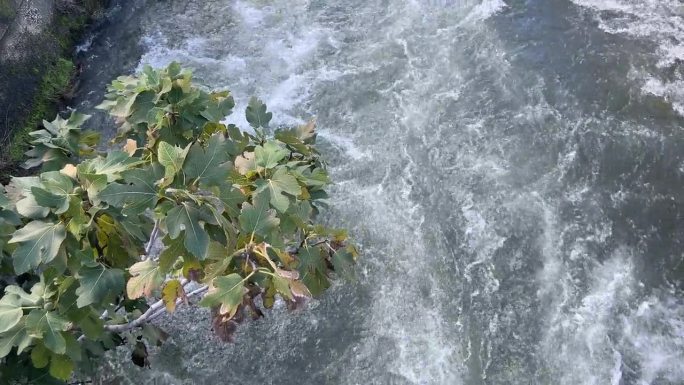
pixel 513 171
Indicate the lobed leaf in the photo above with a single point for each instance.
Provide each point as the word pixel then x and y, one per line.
pixel 256 113
pixel 145 277
pixel 39 243
pixel 226 292
pixel 98 283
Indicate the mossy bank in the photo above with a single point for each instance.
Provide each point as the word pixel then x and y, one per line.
pixel 37 40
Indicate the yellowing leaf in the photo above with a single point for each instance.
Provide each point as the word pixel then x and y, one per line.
pixel 245 163
pixel 69 170
pixel 307 131
pixel 130 147
pixel 145 278
pixel 299 289
pixel 171 292
pixel 172 158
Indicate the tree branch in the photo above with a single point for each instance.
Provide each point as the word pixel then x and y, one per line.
pixel 155 310
pixel 153 238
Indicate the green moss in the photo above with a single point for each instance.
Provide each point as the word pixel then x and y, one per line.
pixel 69 29
pixel 55 82
pixel 7 11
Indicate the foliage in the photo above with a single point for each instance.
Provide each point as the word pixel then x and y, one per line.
pixel 232 211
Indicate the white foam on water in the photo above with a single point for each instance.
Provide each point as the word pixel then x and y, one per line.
pixel 250 17
pixel 273 63
pixel 577 346
pixel 654 331
pixel 414 330
pixel 485 10
pixel 660 22
pixel 594 337
pixel 673 92
pixel 345 143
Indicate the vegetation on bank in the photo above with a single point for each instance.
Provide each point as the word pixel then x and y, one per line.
pixel 54 86
pixel 6 10
pixel 232 211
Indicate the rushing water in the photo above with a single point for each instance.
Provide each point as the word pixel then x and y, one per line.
pixel 512 169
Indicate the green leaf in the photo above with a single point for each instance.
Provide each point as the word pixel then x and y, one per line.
pixel 61 367
pixel 78 220
pixel 280 182
pixel 268 155
pixel 145 278
pixel 282 286
pixel 209 165
pixel 139 192
pixel 221 259
pixel 172 158
pixel 113 165
pixel 17 296
pixel 232 199
pixel 256 113
pixel 74 349
pixel 312 269
pixel 343 260
pixel 29 208
pixel 258 218
pixel 226 291
pixel 10 315
pixel 98 283
pixel 310 260
pixel 291 138
pixel 39 243
pixel 93 183
pixel 187 216
pixel 48 326
pixel 55 191
pixel 40 356
pixel 174 249
pixel 220 106
pixel 316 282
pixel 15 337
pixel 89 322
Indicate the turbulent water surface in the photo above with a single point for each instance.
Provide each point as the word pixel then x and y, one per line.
pixel 512 169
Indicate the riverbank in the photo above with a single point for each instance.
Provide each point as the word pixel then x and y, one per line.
pixel 37 68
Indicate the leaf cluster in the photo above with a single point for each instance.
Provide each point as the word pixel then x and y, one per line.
pixel 233 211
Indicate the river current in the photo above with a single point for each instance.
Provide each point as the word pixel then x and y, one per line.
pixel 513 171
